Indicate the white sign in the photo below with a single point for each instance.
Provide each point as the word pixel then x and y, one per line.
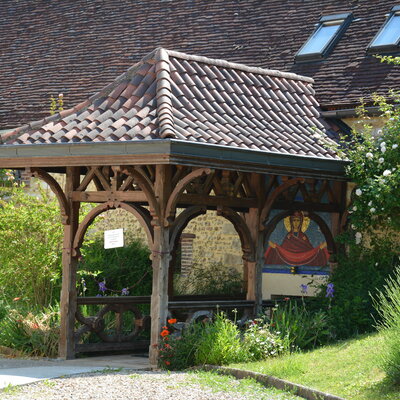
pixel 113 238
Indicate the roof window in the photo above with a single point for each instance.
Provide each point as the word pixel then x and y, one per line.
pixel 388 37
pixel 322 41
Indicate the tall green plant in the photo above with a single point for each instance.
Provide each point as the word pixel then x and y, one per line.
pixel 220 343
pixel 30 246
pixel 387 303
pixel 360 271
pixel 298 327
pixel 120 271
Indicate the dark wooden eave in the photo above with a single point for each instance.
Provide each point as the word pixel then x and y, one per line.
pixel 55 157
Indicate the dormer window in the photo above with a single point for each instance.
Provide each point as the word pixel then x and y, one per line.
pixel 388 37
pixel 322 41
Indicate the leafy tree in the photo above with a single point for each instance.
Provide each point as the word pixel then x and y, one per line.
pixel 30 246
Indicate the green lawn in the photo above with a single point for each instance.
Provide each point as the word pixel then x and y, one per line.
pixel 348 369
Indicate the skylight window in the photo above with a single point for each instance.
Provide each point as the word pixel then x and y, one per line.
pixel 388 37
pixel 324 38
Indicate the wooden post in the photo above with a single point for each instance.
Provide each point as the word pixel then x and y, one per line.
pixel 254 267
pixel 69 264
pixel 161 254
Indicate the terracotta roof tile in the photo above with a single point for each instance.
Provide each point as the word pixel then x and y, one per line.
pixel 170 94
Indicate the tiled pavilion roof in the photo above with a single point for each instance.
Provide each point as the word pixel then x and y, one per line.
pixel 190 98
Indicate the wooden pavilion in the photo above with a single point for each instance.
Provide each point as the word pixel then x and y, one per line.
pixel 187 132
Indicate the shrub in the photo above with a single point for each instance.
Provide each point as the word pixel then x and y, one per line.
pixel 220 343
pixel 260 343
pixel 360 271
pixel 30 246
pixel 298 327
pixel 33 334
pixel 387 303
pixel 212 279
pixel 177 352
pixel 215 342
pixel 127 268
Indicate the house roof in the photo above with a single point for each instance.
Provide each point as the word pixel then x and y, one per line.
pixel 190 98
pixel 74 49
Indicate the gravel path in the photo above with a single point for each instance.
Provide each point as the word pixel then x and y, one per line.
pixel 142 385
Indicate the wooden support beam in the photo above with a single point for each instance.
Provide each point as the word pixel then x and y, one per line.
pixel 161 255
pixel 300 206
pixel 253 267
pixel 69 263
pixel 216 201
pixel 136 196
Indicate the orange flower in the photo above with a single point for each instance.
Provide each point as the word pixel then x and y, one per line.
pixel 35 326
pixel 172 321
pixel 16 298
pixel 164 333
pixel 165 327
pixel 167 363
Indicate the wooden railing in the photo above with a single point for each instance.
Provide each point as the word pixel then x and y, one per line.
pixel 132 335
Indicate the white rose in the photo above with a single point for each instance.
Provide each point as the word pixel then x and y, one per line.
pixel 395 146
pixel 381 160
pixel 383 149
pixel 355 208
pixel 358 192
pixel 383 144
pixel 373 209
pixel 387 172
pixel 369 156
pixel 358 237
pixel 370 204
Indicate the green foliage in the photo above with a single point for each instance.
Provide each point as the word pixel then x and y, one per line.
pixel 220 343
pixel 298 327
pixel 374 168
pixel 30 246
pixel 35 334
pixel 261 343
pixel 217 342
pixel 360 271
pixel 125 267
pixel 347 369
pixel 178 352
pixel 213 279
pixel 387 303
pixel 56 105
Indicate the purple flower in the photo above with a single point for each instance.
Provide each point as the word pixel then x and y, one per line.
pixel 102 286
pixel 330 290
pixel 124 292
pixel 304 288
pixel 98 295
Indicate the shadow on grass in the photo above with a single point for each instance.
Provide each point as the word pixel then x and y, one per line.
pixel 383 390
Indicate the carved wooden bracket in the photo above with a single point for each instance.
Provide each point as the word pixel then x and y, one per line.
pixel 274 195
pixel 56 189
pixel 147 187
pixel 141 214
pixel 181 222
pixel 248 246
pixel 170 209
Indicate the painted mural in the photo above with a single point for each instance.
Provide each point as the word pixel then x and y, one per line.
pixel 297 242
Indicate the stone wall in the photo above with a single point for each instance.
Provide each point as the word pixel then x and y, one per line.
pixel 117 219
pixel 216 241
